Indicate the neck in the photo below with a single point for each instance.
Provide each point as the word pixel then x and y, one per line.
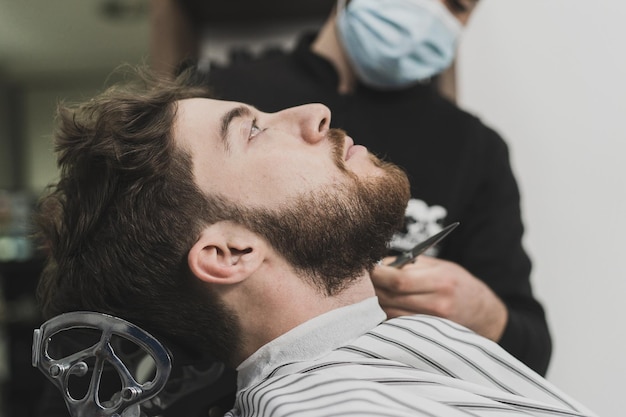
pixel 277 303
pixel 328 46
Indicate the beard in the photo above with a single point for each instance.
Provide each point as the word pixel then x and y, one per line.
pixel 333 235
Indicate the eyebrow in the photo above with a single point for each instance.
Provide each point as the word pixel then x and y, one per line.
pixel 228 118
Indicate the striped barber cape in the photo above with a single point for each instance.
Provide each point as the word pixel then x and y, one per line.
pixel 350 362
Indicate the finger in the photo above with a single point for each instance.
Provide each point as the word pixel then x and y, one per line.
pixel 387 260
pixel 431 303
pixel 407 280
pixel 426 260
pixel 394 306
pixel 411 302
pixel 420 259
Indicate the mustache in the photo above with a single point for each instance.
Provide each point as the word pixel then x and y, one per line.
pixel 336 138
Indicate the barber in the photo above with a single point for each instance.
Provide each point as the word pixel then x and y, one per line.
pixel 375 63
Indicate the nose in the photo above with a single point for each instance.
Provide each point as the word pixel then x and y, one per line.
pixel 311 120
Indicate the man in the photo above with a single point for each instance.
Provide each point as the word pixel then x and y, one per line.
pixel 250 236
pixel 376 76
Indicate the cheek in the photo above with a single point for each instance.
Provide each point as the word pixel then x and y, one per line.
pixel 277 179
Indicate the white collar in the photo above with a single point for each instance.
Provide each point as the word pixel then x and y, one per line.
pixel 311 339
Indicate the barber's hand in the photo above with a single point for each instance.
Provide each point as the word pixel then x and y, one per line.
pixel 440 288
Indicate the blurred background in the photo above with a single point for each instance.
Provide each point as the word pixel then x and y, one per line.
pixel 548 75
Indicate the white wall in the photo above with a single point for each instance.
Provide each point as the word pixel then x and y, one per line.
pixel 550 76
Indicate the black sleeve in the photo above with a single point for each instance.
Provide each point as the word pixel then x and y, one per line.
pixel 526 336
pixel 489 245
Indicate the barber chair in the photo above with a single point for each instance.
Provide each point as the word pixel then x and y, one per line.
pixel 107 367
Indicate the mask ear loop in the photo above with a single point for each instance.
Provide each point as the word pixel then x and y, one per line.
pixel 59 371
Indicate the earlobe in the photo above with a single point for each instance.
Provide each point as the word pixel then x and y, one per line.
pixel 225 253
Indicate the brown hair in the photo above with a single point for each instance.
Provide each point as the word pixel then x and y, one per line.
pixel 121 219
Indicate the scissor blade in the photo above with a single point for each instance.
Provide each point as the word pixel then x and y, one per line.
pixel 423 246
pixel 433 240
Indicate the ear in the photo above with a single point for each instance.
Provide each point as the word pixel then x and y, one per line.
pixel 226 253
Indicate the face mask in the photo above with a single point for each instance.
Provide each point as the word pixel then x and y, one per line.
pixel 394 43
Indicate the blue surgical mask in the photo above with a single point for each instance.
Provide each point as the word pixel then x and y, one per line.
pixel 394 43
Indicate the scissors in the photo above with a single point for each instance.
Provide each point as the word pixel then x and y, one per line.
pixel 410 255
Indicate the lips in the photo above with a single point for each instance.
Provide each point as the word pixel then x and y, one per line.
pixel 349 144
pixel 351 149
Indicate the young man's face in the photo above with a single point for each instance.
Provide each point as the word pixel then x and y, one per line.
pixel 328 206
pixel 263 159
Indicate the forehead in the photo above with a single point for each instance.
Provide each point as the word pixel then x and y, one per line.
pixel 202 121
pixel 192 113
pixel 200 104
